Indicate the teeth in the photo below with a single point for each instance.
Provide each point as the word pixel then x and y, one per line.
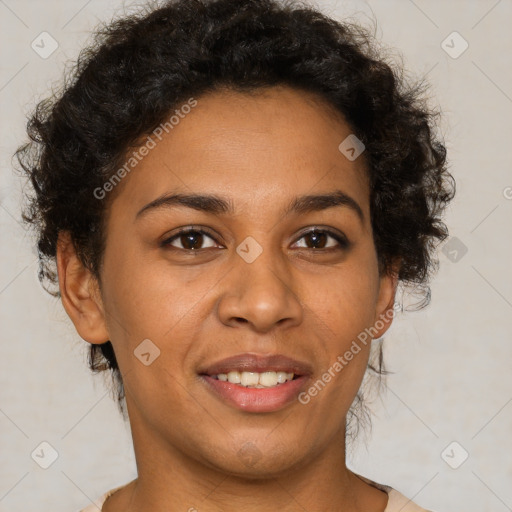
pixel 249 379
pixel 233 377
pixel 254 379
pixel 269 379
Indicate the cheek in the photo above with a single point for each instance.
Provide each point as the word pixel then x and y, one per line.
pixel 150 299
pixel 344 300
pixel 345 311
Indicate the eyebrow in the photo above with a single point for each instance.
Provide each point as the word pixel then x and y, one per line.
pixel 217 205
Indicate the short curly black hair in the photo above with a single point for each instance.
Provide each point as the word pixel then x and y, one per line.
pixel 139 68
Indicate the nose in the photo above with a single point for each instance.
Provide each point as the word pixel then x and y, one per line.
pixel 262 294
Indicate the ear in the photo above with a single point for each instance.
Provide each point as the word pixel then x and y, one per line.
pixel 385 308
pixel 80 293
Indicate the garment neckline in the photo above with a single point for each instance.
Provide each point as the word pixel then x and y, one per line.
pixel 382 487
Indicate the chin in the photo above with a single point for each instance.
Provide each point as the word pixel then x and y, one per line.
pixel 257 462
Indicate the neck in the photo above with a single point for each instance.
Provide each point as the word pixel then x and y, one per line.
pixel 171 480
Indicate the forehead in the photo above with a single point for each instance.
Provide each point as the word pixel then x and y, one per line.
pixel 267 145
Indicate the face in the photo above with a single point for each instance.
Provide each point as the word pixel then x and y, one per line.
pixel 254 276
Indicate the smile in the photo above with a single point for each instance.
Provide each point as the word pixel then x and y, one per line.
pixel 256 382
pixel 255 379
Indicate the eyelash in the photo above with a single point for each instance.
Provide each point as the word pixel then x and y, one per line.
pixel 344 244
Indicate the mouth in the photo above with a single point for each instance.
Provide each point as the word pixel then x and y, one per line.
pixel 256 383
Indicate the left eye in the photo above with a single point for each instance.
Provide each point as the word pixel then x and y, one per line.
pixel 319 236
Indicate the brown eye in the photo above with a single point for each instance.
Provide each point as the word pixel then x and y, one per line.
pixel 319 239
pixel 189 239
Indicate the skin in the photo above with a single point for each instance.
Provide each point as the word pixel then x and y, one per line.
pixel 260 151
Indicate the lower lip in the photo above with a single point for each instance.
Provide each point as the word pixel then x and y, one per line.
pixel 256 399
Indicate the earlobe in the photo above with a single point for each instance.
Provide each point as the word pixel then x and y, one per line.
pixel 79 293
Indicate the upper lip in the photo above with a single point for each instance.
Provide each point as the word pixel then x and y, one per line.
pixel 248 362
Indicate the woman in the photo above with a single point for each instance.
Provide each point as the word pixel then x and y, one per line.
pixel 227 194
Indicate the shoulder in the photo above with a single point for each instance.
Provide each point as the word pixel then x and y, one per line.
pixel 397 502
pixel 94 507
pixel 98 504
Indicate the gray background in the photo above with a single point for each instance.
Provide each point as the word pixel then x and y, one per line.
pixel 452 378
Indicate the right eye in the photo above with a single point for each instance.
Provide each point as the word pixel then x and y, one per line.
pixel 190 239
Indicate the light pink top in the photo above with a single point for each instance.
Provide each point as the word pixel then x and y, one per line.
pixel 396 502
